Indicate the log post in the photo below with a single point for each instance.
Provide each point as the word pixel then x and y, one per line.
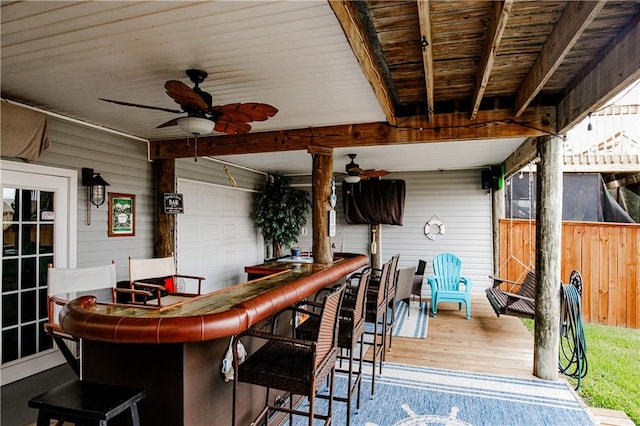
pixel 548 258
pixel 497 213
pixel 321 176
pixel 164 181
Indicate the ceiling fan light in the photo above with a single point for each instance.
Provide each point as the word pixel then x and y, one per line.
pixel 195 125
pixel 352 178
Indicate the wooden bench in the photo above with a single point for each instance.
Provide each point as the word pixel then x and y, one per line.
pixel 518 300
pixel 87 403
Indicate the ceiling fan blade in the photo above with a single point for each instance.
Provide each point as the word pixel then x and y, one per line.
pixel 253 110
pixel 141 106
pixel 231 127
pixel 184 95
pixel 375 173
pixel 172 122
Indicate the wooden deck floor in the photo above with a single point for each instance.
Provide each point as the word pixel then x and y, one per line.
pixel 482 344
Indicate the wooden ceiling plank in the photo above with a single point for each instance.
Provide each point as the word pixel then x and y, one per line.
pixel 574 20
pixel 356 36
pixel 449 127
pixel 498 23
pixel 617 67
pixel 424 16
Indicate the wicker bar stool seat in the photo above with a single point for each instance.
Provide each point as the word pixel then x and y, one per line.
pixel 292 365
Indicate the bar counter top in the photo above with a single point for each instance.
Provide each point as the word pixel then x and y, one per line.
pixel 223 313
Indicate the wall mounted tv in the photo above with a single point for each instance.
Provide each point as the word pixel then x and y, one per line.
pixel 374 202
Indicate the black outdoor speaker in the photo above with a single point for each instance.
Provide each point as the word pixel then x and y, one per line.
pixel 492 178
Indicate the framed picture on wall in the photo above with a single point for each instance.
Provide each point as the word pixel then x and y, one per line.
pixel 122 215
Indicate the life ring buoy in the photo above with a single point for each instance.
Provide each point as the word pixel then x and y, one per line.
pixel 430 225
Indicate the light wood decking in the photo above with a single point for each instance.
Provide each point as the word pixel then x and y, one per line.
pixel 483 344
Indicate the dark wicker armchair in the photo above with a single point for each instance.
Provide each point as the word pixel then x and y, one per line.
pixel 293 365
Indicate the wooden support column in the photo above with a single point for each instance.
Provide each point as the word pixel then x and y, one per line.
pixel 548 258
pixel 321 177
pixel 497 213
pixel 164 181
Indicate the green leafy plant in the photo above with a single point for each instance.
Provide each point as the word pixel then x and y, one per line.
pixel 280 212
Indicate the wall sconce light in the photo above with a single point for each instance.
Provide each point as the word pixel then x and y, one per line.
pixel 96 193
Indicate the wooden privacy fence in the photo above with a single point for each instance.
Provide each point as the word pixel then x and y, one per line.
pixel 606 254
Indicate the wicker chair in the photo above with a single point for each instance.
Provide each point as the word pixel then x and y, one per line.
pixel 350 332
pixel 293 365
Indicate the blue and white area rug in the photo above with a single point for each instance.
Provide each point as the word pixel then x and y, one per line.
pixel 410 320
pixel 407 395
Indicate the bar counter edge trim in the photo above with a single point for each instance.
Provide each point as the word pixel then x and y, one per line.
pixel 78 319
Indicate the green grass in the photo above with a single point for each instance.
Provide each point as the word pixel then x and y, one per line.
pixel 613 377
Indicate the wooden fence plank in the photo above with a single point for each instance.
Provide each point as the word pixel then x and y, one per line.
pixel 606 254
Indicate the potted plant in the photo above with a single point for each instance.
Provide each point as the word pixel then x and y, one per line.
pixel 280 212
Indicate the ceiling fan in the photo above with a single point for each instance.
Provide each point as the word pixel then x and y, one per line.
pixel 355 173
pixel 232 119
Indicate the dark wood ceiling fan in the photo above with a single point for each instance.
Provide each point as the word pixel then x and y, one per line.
pixel 353 169
pixel 232 119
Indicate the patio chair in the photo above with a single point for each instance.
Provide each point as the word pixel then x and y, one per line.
pixel 445 284
pixel 159 276
pixel 62 285
pixel 404 285
pixel 416 289
pixel 513 298
pixel 293 365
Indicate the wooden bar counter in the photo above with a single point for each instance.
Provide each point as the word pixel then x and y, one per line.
pixel 175 352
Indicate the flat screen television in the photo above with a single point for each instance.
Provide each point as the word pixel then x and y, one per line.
pixel 374 202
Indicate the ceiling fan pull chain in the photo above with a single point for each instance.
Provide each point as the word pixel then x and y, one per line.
pixel 195 148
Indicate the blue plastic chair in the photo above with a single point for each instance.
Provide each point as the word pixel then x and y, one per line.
pixel 445 284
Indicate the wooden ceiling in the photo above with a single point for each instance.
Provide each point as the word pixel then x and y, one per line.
pixel 344 74
pixel 444 70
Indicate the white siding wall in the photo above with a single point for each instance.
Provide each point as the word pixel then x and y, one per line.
pixel 122 162
pixel 456 198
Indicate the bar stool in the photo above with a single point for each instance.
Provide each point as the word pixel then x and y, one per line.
pixel 350 333
pixel 292 365
pixel 87 403
pixel 376 317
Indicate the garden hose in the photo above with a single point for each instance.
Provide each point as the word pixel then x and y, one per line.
pixel 573 344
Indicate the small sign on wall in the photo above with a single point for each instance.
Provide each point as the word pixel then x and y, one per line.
pixel 173 203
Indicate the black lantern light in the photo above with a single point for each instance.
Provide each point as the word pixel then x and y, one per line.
pixel 96 193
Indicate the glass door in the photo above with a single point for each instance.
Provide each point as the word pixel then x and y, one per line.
pixel 35 233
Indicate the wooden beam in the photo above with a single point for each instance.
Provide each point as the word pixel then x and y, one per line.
pixel 424 15
pixel 497 24
pixel 348 17
pixel 489 124
pixel 519 158
pixel 574 20
pixel 616 68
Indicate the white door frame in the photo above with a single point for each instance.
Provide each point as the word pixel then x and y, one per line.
pixel 64 183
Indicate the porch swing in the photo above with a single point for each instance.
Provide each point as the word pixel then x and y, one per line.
pixel 515 297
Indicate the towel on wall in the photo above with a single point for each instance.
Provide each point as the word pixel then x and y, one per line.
pixel 24 132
